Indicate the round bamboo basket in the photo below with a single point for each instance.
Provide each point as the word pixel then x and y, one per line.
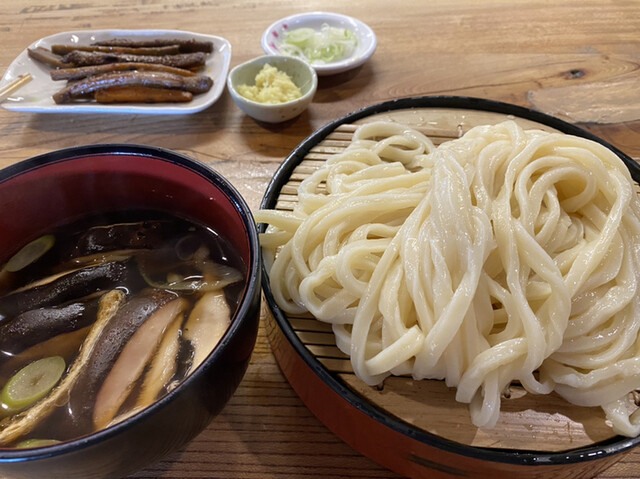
pixel 416 428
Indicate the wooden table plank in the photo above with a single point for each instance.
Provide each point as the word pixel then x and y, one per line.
pixel 514 51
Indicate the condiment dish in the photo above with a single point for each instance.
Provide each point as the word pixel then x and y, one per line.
pixel 273 37
pixel 302 75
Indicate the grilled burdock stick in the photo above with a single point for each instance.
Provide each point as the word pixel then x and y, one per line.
pixel 88 86
pixel 186 46
pixel 47 57
pixel 141 94
pixel 163 50
pixel 189 61
pixel 78 73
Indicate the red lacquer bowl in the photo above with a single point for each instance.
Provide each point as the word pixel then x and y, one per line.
pixel 41 193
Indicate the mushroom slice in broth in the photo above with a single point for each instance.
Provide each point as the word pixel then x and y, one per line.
pixel 207 323
pixel 64 288
pixel 131 315
pixel 166 269
pixel 18 425
pixel 132 361
pixel 37 325
pixel 122 236
pixel 163 366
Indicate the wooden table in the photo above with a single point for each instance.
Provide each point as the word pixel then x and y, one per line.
pixel 578 60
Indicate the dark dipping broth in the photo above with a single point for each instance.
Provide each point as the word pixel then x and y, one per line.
pixel 102 317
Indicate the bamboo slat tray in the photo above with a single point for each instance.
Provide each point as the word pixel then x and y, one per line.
pixel 531 430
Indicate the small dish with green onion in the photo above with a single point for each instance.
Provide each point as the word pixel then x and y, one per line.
pixel 331 43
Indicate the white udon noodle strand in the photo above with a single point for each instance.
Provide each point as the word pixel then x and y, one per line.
pixel 506 255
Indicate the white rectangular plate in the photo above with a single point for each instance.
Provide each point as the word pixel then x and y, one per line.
pixel 36 96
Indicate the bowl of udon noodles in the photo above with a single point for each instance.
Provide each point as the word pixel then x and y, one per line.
pixel 453 288
pixel 129 307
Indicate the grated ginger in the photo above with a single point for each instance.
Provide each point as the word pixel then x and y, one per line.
pixel 272 86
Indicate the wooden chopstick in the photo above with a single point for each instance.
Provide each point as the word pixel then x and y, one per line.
pixel 14 85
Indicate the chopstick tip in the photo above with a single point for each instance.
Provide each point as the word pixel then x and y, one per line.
pixel 11 87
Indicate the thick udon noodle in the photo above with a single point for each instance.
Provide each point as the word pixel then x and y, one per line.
pixel 505 255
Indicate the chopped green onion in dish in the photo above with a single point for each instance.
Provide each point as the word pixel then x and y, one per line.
pixel 328 45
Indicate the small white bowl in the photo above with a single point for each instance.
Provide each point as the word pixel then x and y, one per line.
pixel 301 74
pixel 367 40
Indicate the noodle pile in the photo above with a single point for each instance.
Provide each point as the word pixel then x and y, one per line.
pixel 505 255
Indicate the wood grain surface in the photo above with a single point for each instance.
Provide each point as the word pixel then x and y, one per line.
pixel 577 60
